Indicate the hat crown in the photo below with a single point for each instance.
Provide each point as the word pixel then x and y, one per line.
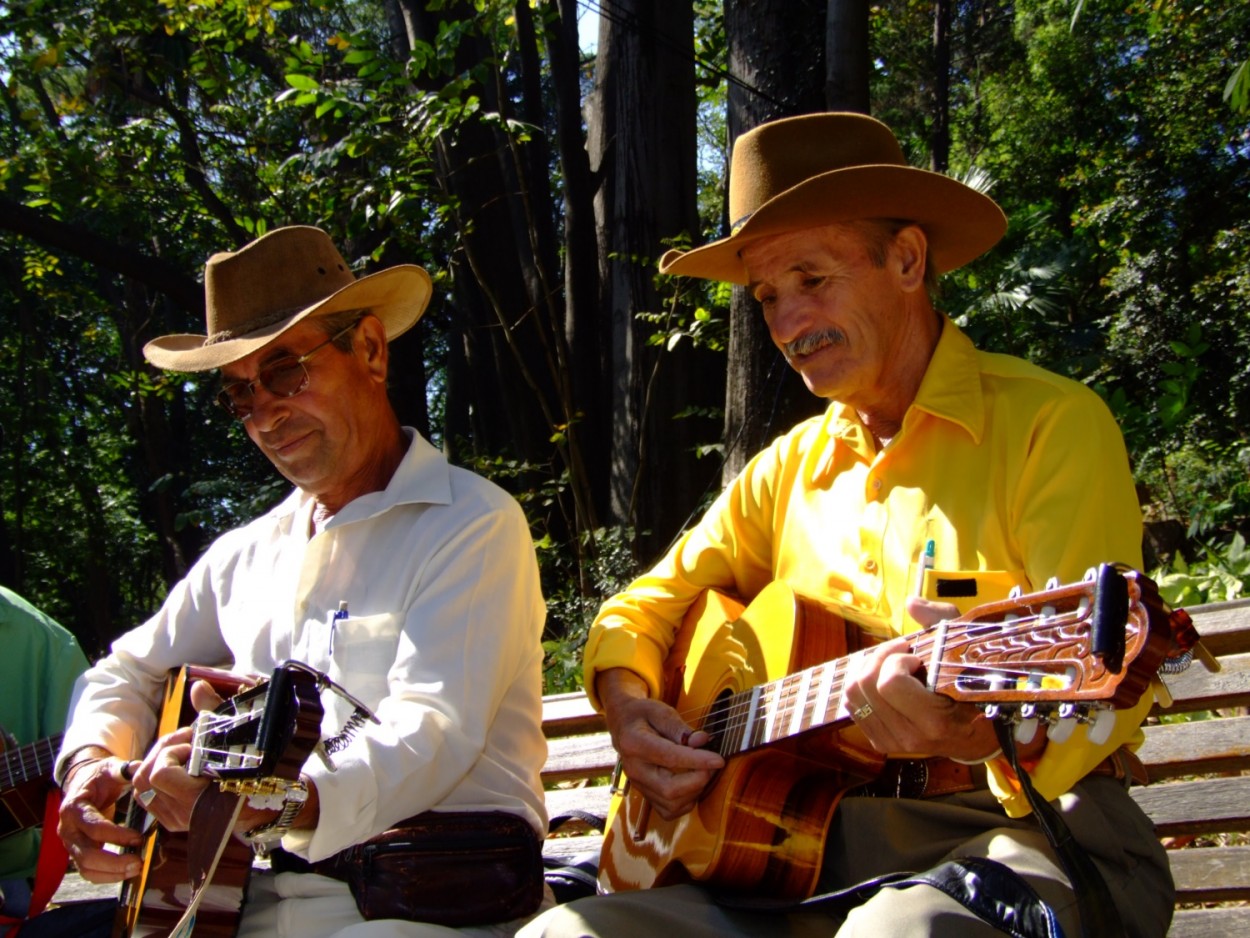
pixel 266 281
pixel 775 157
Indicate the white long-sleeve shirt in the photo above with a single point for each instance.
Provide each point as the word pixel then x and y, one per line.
pixel 442 641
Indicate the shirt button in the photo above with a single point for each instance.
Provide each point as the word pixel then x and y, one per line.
pixel 876 485
pixel 870 566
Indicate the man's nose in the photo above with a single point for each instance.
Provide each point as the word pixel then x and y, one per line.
pixel 268 409
pixel 787 320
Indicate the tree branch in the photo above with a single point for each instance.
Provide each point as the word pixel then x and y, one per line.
pixel 88 246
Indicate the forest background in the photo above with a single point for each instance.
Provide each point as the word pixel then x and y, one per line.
pixel 538 178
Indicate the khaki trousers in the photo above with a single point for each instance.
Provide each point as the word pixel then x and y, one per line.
pixel 875 836
pixel 306 905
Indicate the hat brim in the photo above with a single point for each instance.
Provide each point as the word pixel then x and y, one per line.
pixel 960 223
pixel 398 296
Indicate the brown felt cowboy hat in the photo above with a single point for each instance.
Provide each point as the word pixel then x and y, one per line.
pixel 814 170
pixel 256 293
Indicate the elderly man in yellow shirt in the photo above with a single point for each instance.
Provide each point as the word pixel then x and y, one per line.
pixel 1012 474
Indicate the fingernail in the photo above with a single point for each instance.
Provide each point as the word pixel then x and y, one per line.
pixel 685 738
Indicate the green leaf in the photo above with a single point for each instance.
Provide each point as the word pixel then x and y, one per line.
pixel 301 82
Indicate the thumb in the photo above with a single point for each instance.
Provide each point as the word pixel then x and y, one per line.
pixel 203 697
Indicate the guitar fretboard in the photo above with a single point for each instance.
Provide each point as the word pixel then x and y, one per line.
pixel 32 761
pixel 815 696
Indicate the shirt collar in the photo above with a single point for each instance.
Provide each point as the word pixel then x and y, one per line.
pixel 422 477
pixel 951 387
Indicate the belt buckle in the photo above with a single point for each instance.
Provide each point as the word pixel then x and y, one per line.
pixel 912 778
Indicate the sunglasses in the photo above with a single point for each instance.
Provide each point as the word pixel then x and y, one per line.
pixel 283 377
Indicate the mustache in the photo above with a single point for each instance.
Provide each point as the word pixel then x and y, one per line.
pixel 812 342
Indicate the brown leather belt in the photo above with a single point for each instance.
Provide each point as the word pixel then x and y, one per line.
pixel 936 776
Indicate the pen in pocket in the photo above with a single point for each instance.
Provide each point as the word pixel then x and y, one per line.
pixel 340 613
pixel 926 564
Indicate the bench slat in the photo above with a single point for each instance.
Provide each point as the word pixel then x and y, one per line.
pixel 1213 805
pixel 592 799
pixel 1224 627
pixel 577 757
pixel 570 715
pixel 1210 923
pixel 1196 748
pixel 1198 689
pixel 1211 874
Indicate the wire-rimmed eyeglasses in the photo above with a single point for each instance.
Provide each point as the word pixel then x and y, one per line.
pixel 283 377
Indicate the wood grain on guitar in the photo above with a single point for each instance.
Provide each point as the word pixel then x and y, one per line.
pixel 263 733
pixel 765 680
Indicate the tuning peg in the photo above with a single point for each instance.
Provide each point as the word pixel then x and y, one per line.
pixel 1061 728
pixel 1053 583
pixel 1100 726
pixel 1162 694
pixel 1026 730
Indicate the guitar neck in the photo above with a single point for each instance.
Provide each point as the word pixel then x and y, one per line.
pixel 1092 643
pixel 28 763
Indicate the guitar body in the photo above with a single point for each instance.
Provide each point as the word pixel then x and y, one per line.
pixel 152 903
pixel 25 777
pixel 761 824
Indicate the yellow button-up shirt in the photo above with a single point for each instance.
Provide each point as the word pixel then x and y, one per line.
pixel 1012 472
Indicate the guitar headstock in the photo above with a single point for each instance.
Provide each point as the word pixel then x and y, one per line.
pixel 1067 650
pixel 261 736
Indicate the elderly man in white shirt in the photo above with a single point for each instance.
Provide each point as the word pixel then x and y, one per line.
pixel 412 584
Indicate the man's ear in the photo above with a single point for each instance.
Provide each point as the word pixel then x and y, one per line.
pixel 371 341
pixel 911 249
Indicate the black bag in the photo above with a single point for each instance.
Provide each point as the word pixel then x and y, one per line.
pixel 446 868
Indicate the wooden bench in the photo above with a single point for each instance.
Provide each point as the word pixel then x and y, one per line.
pixel 1200 792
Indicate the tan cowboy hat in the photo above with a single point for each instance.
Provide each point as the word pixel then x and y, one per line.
pixel 814 170
pixel 256 293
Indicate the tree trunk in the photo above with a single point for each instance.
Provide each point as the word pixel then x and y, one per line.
pixel 776 56
pixel 643 149
pixel 940 137
pixel 846 44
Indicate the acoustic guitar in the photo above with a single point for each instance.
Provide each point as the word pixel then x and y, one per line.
pixel 257 739
pixel 766 680
pixel 25 776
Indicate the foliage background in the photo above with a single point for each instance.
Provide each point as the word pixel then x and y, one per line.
pixel 477 138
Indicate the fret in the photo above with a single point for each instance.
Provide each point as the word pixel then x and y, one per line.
pixel 796 718
pixel 772 688
pixel 821 708
pixel 936 653
pixel 753 709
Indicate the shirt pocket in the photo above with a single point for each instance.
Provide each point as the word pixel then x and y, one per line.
pixel 967 589
pixel 363 653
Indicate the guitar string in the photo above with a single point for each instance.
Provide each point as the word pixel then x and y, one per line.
pixel 736 715
pixel 785 707
pixel 782 703
pixel 28 761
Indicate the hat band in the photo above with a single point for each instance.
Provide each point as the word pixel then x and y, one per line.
pixel 254 325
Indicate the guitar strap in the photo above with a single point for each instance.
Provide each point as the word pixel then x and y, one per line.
pixel 1098 912
pixel 50 870
pixel 995 893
